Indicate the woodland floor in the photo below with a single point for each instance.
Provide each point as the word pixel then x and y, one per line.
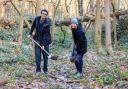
pixel 100 72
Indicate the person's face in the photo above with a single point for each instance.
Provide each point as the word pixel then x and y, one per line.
pixel 73 26
pixel 44 15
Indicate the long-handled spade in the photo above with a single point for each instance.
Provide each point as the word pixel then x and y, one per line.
pixel 53 57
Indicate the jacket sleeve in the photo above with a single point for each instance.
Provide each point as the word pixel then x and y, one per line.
pixel 33 27
pixel 81 45
pixel 80 36
pixel 79 41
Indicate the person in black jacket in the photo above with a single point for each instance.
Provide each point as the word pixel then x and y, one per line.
pixel 80 45
pixel 41 24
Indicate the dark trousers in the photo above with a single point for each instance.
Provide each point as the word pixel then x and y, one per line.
pixel 78 58
pixel 79 63
pixel 38 52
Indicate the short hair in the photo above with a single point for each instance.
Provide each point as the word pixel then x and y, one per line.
pixel 44 10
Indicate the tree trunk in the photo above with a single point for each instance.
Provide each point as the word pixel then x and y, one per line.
pixel 2 10
pixel 91 6
pixel 98 27
pixel 53 19
pixel 38 7
pixel 27 23
pixel 80 7
pixel 108 27
pixel 33 8
pixel 20 23
pixel 115 32
pixel 115 4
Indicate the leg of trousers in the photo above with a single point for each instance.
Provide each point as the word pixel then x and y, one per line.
pixel 45 57
pixel 38 57
pixel 79 63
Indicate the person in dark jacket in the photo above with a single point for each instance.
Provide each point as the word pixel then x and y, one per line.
pixel 41 24
pixel 80 45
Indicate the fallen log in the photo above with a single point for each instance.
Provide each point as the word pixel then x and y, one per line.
pixel 7 23
pixel 87 18
pixel 119 13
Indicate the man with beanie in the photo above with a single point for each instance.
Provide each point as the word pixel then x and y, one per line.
pixel 41 24
pixel 80 46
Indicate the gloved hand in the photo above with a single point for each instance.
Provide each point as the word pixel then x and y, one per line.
pixel 28 36
pixel 42 47
pixel 73 56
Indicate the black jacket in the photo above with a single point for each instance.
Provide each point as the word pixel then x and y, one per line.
pixel 80 40
pixel 42 31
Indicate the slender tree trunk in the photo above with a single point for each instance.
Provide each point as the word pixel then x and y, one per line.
pixel 117 5
pixel 2 10
pixel 33 8
pixel 98 27
pixel 27 23
pixel 108 27
pixel 91 6
pixel 38 7
pixel 21 23
pixel 20 29
pixel 53 19
pixel 115 32
pixel 80 7
pixel 116 8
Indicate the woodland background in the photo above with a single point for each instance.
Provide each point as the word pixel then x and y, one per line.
pixel 105 23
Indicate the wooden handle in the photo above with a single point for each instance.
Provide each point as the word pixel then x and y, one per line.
pixel 39 45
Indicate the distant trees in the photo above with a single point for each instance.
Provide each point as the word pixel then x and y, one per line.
pixel 97 11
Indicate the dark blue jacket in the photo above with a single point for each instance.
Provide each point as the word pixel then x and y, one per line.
pixel 80 40
pixel 42 31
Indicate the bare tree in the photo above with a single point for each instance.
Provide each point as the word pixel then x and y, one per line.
pixel 115 7
pixel 98 26
pixel 108 27
pixel 80 7
pixel 38 6
pixel 56 5
pixel 21 22
pixel 2 9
